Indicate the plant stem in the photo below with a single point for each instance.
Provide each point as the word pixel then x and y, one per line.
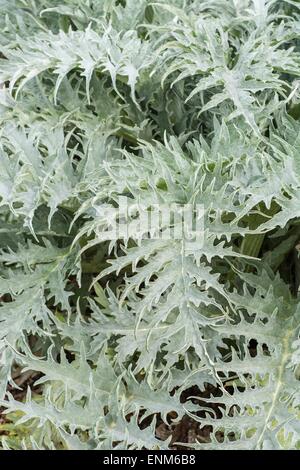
pixel 252 244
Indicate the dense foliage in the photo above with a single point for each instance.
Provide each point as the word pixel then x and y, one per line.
pixel 186 102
